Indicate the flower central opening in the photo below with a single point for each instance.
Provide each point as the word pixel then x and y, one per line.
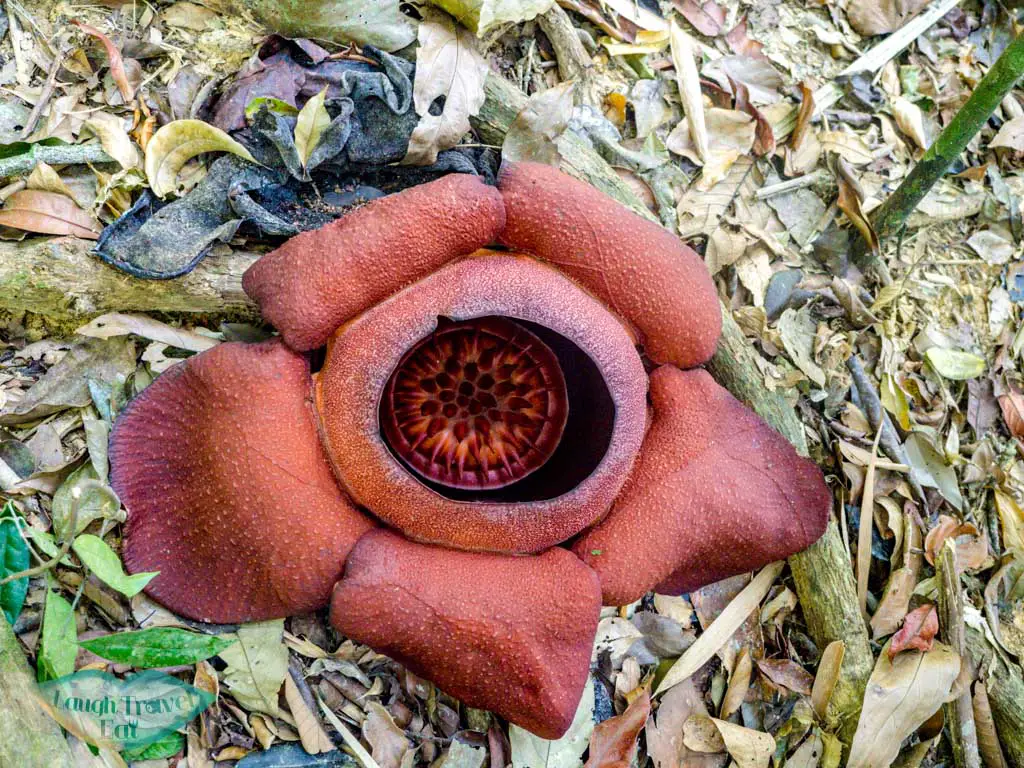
pixel 476 405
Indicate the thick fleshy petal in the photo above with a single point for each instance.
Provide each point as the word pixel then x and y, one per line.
pixel 228 491
pixel 602 436
pixel 317 280
pixel 639 269
pixel 715 492
pixel 509 634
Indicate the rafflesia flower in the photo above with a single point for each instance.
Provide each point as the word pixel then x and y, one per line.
pixel 497 441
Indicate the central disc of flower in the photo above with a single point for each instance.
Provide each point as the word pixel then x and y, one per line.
pixel 477 404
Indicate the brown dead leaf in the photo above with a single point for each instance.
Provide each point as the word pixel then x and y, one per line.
pixel 902 693
pixel 707 17
pixel 910 119
pixel 613 742
pixel 688 79
pixel 803 117
pixel 787 674
pixel 877 17
pixel 739 682
pixel 729 133
pixel 47 213
pixel 749 748
pixel 664 735
pixel 971 544
pixel 764 140
pixel 988 737
pixel 1011 135
pixel 449 64
pixel 117 68
pixel 1012 405
pixel 387 741
pixel 829 669
pixel 849 202
pixel 918 631
pixel 741 43
pixel 314 738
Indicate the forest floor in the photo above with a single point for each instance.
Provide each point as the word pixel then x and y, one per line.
pixel 810 122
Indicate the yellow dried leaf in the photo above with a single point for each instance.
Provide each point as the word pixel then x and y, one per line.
pixel 177 143
pixel 310 125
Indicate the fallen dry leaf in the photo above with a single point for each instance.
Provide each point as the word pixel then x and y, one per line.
pixel 447 64
pixel 747 747
pixel 613 742
pixel 1012 405
pixel 534 133
pixel 314 738
pixel 117 68
pixel 739 682
pixel 902 693
pixel 1011 135
pixel 741 43
pixel 849 202
pixel 707 17
pixel 729 134
pixel 722 628
pixel 787 674
pixel 829 669
pixel 688 79
pixel 876 17
pixel 178 142
pixel 918 631
pixel 910 119
pixel 664 731
pixel 47 213
pixel 310 125
pixel 971 544
pixel 110 130
pixel 387 741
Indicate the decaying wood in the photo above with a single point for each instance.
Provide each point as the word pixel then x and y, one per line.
pixel 960 712
pixel 28 736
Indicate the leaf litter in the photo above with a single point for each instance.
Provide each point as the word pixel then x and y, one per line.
pixel 707 89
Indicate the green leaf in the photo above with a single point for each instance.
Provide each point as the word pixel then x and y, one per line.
pixel 98 557
pixel 177 143
pixel 167 746
pixel 13 558
pixel 257 665
pixel 157 647
pixel 310 126
pixel 58 645
pixel 94 504
pixel 276 106
pixel 955 364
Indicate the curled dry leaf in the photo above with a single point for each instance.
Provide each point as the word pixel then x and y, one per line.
pixel 902 693
pixel 829 669
pixel 971 544
pixel 534 133
pixel 314 738
pixel 747 747
pixel 664 731
pixel 729 134
pixel 849 202
pixel 310 125
pixel 910 119
pixel 741 43
pixel 178 142
pixel 1011 135
pixel 739 682
pixel 918 631
pixel 447 64
pixel 877 17
pixel 481 16
pixel 47 213
pixel 46 179
pixel 707 17
pixel 722 628
pixel 613 742
pixel 787 674
pixel 387 741
pixel 110 130
pixel 1012 405
pixel 688 79
pixel 121 324
pixel 988 737
pixel 117 68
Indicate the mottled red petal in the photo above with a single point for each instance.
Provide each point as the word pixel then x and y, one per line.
pixel 228 491
pixel 715 492
pixel 362 355
pixel 641 270
pixel 500 632
pixel 317 280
